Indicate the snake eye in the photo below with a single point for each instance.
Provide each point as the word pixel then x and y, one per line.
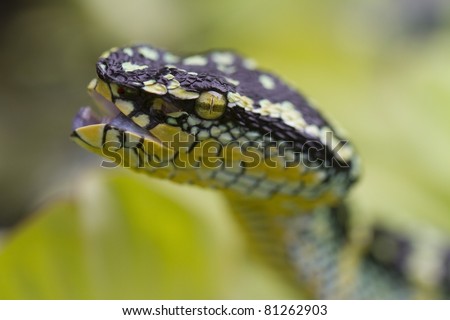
pixel 210 105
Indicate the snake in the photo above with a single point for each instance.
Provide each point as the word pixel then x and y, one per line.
pixel 215 120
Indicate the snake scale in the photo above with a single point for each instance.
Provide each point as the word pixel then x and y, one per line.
pixel 215 120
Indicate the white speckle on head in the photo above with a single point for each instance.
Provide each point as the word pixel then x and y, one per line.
pixel 235 99
pixel 284 110
pixel 267 82
pixel 149 53
pixel 149 82
pixel 232 81
pixel 293 118
pixel 170 58
pixel 223 58
pixel 128 51
pixel 182 94
pixel 129 67
pixel 298 122
pixel 313 130
pixel 126 107
pixel 269 109
pixel 195 61
pixel 226 69
pixel 249 64
pixel 192 73
pixel 155 88
pixel 173 84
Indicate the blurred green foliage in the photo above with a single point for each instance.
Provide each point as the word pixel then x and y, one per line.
pixel 119 238
pixel 378 68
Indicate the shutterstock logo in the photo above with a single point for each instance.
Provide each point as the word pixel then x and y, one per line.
pixel 213 154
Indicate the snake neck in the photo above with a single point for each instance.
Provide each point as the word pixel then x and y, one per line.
pixel 327 254
pixel 289 230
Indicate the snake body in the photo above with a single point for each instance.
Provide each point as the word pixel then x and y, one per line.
pixel 215 120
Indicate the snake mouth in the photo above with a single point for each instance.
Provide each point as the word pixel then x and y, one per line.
pixel 106 113
pixel 125 123
pixel 90 125
pixel 118 130
pixel 87 117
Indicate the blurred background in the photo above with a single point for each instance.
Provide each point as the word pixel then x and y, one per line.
pixel 70 229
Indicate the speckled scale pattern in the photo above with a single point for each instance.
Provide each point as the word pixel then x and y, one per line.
pixel 313 242
pixel 249 85
pixel 225 72
pixel 110 69
pixel 113 71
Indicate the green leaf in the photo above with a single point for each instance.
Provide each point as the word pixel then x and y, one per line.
pixel 123 236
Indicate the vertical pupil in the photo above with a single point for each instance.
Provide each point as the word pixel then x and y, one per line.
pixel 120 90
pixel 210 105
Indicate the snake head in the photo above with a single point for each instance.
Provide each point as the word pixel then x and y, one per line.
pixel 213 120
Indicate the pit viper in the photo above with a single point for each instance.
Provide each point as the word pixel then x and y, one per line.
pixel 215 120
